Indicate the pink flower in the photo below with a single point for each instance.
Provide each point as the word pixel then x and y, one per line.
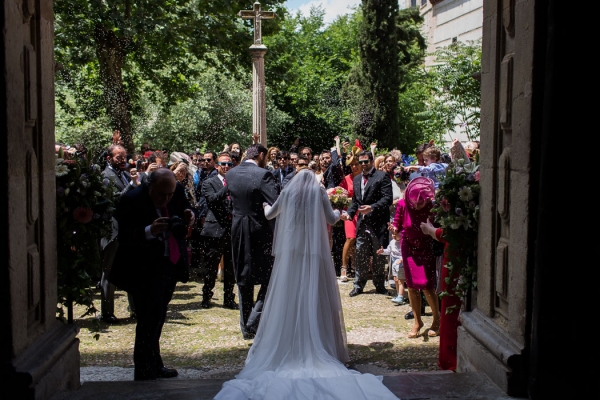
pixel 445 204
pixel 477 176
pixel 83 215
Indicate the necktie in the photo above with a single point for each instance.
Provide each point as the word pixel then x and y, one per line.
pixel 121 177
pixel 228 198
pixel 174 253
pixel 365 179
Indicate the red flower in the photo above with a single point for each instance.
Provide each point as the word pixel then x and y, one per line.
pixel 445 205
pixel 83 215
pixel 477 176
pixel 69 162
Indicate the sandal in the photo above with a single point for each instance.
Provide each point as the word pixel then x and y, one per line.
pixel 434 330
pixel 413 334
pixel 343 276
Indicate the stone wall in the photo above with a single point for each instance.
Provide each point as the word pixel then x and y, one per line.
pixel 40 355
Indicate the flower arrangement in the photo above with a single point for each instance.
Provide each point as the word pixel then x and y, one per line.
pixel 84 210
pixel 339 199
pixel 457 213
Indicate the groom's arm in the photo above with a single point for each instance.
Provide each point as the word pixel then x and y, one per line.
pixel 269 188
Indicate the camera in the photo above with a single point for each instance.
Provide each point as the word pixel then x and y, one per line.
pixel 347 139
pixel 403 174
pixel 177 227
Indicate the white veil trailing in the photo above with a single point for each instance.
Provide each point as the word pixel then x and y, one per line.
pixel 300 346
pixel 303 298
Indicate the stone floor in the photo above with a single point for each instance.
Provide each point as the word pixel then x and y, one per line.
pixel 438 385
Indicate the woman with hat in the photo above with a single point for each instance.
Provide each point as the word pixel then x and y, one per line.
pixel 417 250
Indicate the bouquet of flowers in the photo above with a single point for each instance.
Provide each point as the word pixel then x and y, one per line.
pixel 457 212
pixel 84 210
pixel 339 199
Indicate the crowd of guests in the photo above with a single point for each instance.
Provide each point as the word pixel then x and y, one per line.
pixel 386 235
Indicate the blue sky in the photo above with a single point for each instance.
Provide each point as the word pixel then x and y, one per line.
pixel 333 8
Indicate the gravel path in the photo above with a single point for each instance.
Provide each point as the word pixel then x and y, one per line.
pixel 206 343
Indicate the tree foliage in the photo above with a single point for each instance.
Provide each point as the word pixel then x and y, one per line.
pixel 455 87
pixel 123 42
pixel 306 67
pixel 390 46
pixel 219 113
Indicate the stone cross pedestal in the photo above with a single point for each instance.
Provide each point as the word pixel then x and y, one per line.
pixel 258 50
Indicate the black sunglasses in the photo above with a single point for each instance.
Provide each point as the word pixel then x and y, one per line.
pixel 207 159
pixel 227 164
pixel 364 161
pixel 302 165
pixel 283 158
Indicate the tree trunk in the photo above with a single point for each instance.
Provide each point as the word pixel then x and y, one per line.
pixel 111 52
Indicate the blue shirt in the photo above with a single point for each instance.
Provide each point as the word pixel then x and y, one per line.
pixel 434 171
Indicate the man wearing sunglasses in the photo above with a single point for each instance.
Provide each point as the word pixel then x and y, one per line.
pixel 304 153
pixel 195 239
pixel 208 171
pixel 216 235
pixel 208 166
pixel 372 200
pixel 283 160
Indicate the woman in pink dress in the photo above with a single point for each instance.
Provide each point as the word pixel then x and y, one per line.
pixel 419 261
pixel 350 225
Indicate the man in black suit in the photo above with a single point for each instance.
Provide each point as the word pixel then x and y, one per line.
pixel 334 171
pixel 372 200
pixel 283 160
pixel 304 152
pixel 250 185
pixel 332 177
pixel 208 168
pixel 116 161
pixel 216 235
pixel 152 257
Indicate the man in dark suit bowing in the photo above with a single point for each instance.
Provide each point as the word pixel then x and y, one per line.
pixel 152 257
pixel 372 200
pixel 250 185
pixel 216 234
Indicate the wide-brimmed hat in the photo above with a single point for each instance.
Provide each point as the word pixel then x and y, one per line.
pixel 353 153
pixel 178 156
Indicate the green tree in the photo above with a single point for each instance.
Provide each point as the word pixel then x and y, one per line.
pixel 390 46
pixel 455 88
pixel 124 42
pixel 219 113
pixel 306 67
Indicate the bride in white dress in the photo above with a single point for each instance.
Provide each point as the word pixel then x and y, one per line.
pixel 300 348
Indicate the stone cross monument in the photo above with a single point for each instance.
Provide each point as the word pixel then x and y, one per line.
pixel 258 50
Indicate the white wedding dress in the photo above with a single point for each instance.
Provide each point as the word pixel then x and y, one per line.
pixel 300 347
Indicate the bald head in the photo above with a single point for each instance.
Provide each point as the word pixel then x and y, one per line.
pixel 161 186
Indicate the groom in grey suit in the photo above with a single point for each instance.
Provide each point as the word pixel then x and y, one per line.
pixel 250 185
pixel 115 172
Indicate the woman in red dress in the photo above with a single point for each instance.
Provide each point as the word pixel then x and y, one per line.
pixel 449 322
pixel 350 225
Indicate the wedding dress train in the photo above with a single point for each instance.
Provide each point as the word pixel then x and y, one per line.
pixel 300 346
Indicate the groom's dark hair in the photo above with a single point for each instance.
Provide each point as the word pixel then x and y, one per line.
pixel 254 150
